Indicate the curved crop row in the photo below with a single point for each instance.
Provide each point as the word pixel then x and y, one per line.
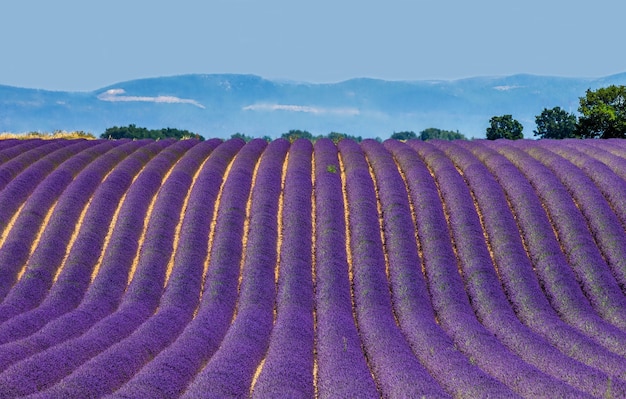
pixel 396 369
pixel 343 369
pixel 467 269
pixel 230 370
pixel 288 365
pixel 170 371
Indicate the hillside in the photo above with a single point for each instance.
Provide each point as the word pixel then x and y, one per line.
pixel 187 269
pixel 220 105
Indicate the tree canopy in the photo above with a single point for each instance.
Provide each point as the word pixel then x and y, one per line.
pixel 337 137
pixel 603 113
pixel 405 135
pixel 247 138
pixel 504 127
pixel 555 123
pixel 295 134
pixel 133 132
pixel 433 133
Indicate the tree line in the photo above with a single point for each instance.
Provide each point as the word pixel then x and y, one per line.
pixel 426 134
pixel 134 132
pixel 137 133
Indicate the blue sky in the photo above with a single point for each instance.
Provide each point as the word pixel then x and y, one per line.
pixel 85 45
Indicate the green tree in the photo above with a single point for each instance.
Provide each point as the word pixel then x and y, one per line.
pixel 337 137
pixel 433 133
pixel 555 123
pixel 242 136
pixel 171 133
pixel 125 132
pixel 247 138
pixel 504 127
pixel 603 113
pixel 406 135
pixel 295 134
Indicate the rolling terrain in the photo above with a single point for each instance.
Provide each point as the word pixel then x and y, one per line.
pixel 220 105
pixel 163 269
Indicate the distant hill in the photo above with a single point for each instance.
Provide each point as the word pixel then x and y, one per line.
pixel 219 105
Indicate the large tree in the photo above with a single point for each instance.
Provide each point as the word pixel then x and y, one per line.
pixel 603 113
pixel 504 127
pixel 555 123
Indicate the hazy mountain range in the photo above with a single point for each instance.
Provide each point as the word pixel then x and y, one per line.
pixel 219 105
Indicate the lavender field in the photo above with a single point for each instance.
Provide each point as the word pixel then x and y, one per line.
pixel 224 269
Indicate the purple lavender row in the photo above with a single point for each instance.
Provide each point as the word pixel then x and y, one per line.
pixel 38 198
pixel 26 293
pixel 616 164
pixel 397 371
pixel 611 147
pixel 582 184
pixel 342 368
pixel 555 276
pixel 606 169
pixel 23 156
pixel 41 159
pixel 288 368
pixel 448 292
pixel 87 246
pixel 74 279
pixel 5 145
pixel 143 290
pixel 16 148
pixel 78 321
pixel 509 256
pixel 58 342
pixel 171 371
pixel 26 172
pixel 599 194
pixel 230 370
pixel 580 249
pixel 412 304
pixel 614 146
pixel 63 165
pixel 110 368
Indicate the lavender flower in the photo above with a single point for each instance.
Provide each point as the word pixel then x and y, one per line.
pixel 342 367
pixel 172 370
pixel 580 249
pixel 230 370
pixel 395 367
pixel 288 367
pixel 45 366
pixel 448 289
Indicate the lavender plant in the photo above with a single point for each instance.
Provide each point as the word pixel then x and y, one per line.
pixel 582 254
pixel 169 373
pixel 450 292
pixel 342 367
pixel 492 306
pixel 395 367
pixel 288 364
pixel 230 370
pixel 102 298
pixel 82 256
